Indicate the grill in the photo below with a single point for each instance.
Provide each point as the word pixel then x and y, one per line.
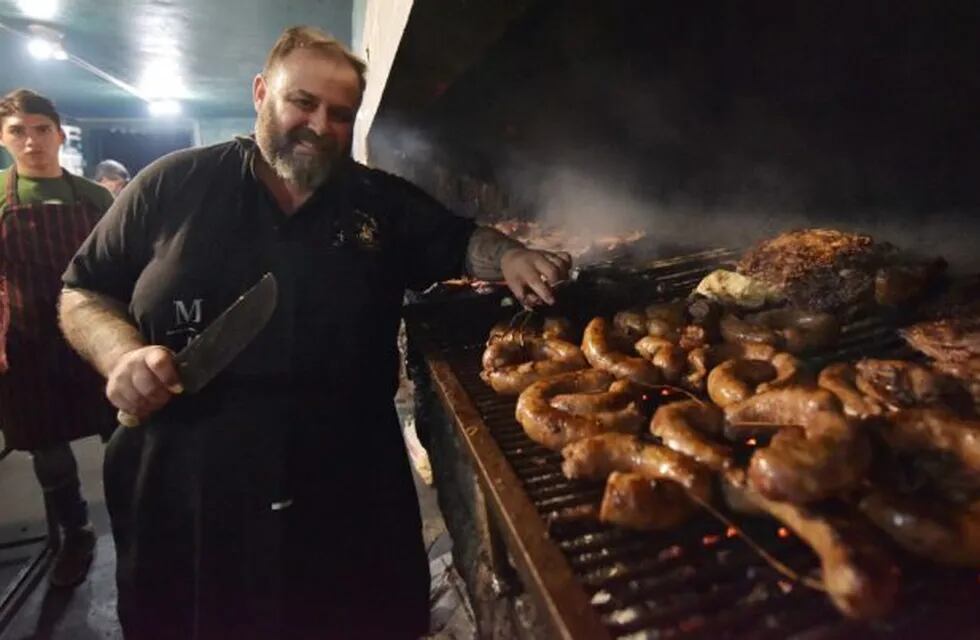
pixel 698 580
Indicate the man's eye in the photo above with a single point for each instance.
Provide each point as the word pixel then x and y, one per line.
pixel 341 115
pixel 304 104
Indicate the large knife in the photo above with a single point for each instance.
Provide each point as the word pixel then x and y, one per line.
pixel 213 349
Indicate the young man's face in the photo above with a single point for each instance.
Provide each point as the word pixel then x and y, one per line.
pixel 33 140
pixel 306 110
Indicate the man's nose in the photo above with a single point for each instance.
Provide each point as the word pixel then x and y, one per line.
pixel 319 121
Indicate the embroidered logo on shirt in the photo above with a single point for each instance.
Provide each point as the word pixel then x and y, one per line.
pixel 187 321
pixel 367 229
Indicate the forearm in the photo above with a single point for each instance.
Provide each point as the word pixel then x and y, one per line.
pixel 486 247
pixel 97 327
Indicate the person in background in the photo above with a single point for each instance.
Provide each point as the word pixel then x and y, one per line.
pixel 278 501
pixel 48 395
pixel 112 175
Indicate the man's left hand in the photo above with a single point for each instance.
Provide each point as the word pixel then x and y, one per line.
pixel 532 274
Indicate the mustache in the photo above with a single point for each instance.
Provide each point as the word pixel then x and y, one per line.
pixel 304 134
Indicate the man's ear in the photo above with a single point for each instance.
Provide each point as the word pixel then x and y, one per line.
pixel 259 91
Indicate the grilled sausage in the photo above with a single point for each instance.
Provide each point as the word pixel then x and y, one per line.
pixel 600 353
pixel 554 428
pixel 815 452
pixel 511 365
pixel 736 380
pixel 617 397
pixel 682 426
pixel 786 329
pixel 805 464
pixel 766 412
pixel 839 379
pixel 861 579
pixel 635 502
pixel 598 456
pixel 666 356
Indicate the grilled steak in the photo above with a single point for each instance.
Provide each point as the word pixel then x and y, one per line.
pixel 818 269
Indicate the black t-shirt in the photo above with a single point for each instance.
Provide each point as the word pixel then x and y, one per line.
pixel 196 229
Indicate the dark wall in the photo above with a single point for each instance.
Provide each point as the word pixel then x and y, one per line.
pixel 730 118
pixel 134 149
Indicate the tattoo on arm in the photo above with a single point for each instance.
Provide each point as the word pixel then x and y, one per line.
pixel 97 327
pixel 484 251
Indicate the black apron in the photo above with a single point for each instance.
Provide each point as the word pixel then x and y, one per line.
pixel 273 504
pixel 48 394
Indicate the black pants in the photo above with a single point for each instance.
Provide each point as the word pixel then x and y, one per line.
pixel 57 472
pixel 202 555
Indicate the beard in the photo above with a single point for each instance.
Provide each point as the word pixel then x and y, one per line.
pixel 305 170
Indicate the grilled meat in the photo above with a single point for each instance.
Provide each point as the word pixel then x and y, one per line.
pixel 635 502
pixel 830 270
pixel 936 430
pixel 860 577
pixel 823 458
pixel 816 269
pixel 902 384
pixel 554 428
pixel 839 379
pixel 598 456
pixel 686 427
pixel 951 339
pixel 949 534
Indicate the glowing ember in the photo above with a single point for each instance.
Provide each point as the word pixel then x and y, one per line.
pixel 665 392
pixel 731 532
pixel 673 551
pixel 785 586
pixel 710 540
pixel 783 532
pixel 751 442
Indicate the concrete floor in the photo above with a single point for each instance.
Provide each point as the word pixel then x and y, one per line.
pixel 88 612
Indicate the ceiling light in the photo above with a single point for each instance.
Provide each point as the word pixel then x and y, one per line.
pixel 164 108
pixel 39 9
pixel 44 43
pixel 40 48
pixel 161 80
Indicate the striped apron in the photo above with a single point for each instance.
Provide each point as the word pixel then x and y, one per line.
pixel 48 395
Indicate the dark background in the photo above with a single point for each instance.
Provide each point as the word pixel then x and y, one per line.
pixel 709 123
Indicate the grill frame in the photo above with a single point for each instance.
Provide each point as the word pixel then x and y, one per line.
pixel 549 566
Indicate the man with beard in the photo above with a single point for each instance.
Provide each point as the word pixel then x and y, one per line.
pixel 277 502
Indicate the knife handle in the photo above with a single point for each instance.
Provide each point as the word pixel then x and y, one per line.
pixel 127 419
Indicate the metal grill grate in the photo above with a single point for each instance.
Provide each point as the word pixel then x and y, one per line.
pixel 697 580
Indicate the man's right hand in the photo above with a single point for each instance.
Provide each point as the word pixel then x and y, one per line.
pixel 143 381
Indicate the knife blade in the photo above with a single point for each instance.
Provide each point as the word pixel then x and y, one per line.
pixel 211 351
